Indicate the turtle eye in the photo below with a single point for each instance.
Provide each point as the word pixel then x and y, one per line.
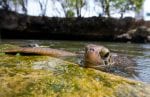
pixel 106 55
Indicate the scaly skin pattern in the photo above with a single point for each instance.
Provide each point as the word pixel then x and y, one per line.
pixel 123 63
pixel 40 51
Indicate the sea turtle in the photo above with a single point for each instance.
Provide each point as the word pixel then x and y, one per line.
pixel 95 56
pixel 100 57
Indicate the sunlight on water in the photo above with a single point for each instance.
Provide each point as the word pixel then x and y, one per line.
pixel 139 52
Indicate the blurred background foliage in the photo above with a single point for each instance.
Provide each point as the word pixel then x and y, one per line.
pixel 72 8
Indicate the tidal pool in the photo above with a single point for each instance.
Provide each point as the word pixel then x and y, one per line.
pixel 139 52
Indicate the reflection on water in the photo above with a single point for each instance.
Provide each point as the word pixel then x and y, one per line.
pixel 139 52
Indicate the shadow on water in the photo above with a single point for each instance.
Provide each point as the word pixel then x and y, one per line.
pixel 139 52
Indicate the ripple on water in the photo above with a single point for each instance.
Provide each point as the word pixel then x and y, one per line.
pixel 143 67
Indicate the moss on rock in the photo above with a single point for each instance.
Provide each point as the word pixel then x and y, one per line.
pixel 43 76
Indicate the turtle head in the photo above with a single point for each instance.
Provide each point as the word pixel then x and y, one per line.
pixel 96 55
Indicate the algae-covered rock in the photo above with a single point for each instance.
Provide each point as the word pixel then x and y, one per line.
pixel 42 76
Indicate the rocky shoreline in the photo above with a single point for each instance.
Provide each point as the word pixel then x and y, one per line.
pixel 140 34
pixel 19 26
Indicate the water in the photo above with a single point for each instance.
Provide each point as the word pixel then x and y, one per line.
pixel 139 52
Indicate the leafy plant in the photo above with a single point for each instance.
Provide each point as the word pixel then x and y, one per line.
pixel 120 6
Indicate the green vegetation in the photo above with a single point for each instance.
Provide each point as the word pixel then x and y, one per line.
pixel 43 76
pixel 120 6
pixel 73 7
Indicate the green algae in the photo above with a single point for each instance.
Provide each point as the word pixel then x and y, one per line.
pixel 43 76
pixel 21 79
pixel 7 46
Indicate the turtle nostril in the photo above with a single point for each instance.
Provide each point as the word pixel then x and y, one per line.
pixel 91 49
